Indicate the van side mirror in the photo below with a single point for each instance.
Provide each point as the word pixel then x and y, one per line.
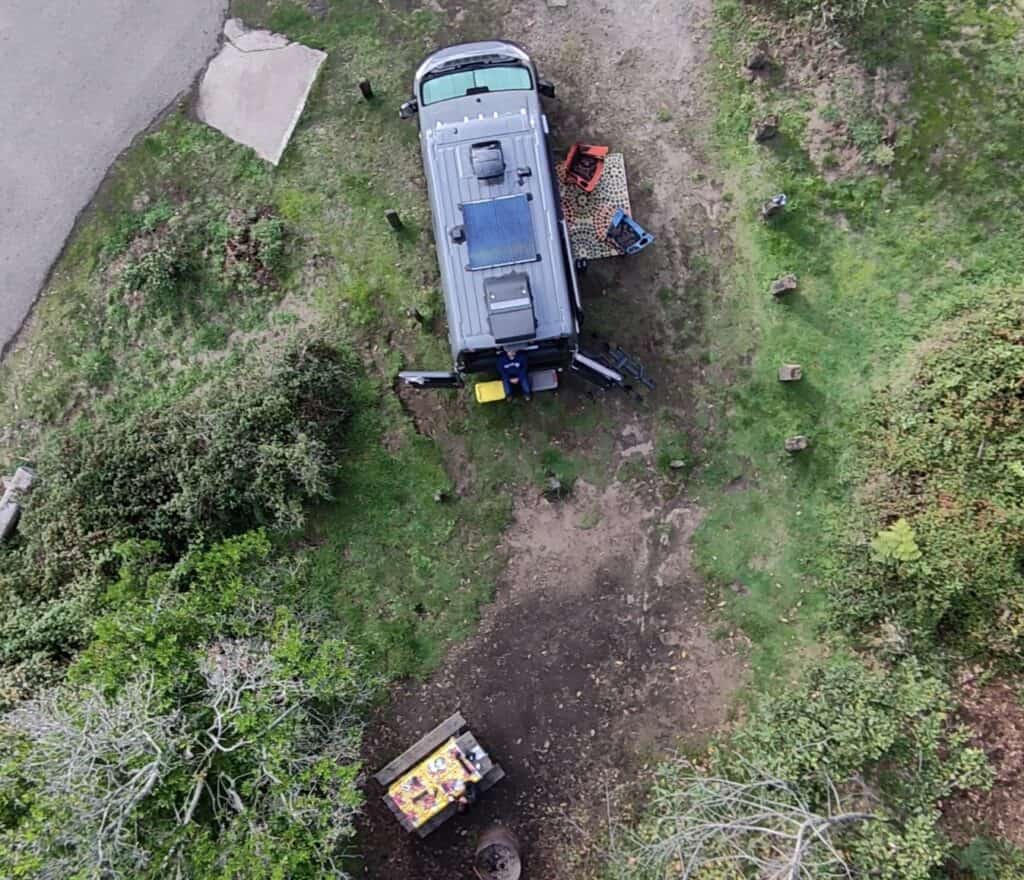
pixel 409 109
pixel 546 88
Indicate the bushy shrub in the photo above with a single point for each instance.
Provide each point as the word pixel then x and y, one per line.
pixel 248 451
pixel 160 269
pixel 936 552
pixel 848 741
pixel 842 12
pixel 846 719
pixel 987 859
pixel 157 273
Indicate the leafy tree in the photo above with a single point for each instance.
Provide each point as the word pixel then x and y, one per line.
pixel 206 733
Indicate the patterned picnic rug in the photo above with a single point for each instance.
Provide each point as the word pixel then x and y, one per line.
pixel 588 215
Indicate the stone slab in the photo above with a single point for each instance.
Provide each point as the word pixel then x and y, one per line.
pixel 22 481
pixel 10 512
pixel 256 87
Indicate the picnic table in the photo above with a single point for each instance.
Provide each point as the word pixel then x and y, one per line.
pixel 424 783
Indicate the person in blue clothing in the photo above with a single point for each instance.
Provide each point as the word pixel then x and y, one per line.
pixel 514 372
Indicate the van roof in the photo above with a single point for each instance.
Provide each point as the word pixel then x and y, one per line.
pixel 496 212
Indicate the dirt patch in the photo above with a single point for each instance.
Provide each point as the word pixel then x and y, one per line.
pixel 855 114
pixel 594 657
pixel 995 713
pixel 636 83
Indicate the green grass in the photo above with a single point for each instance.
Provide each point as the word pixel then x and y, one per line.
pixel 882 261
pixel 512 443
pixel 348 162
pixel 400 573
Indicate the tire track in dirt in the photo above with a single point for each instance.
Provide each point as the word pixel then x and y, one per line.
pixel 594 657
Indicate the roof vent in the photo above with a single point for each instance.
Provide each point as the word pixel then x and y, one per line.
pixel 510 307
pixel 487 160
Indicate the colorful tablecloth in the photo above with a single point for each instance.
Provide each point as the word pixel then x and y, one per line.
pixel 433 784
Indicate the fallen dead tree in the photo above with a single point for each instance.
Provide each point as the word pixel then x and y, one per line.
pixel 761 827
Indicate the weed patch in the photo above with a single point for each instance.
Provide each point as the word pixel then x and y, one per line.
pixel 895 532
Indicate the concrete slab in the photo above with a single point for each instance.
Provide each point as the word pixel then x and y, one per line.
pixel 10 513
pixel 255 89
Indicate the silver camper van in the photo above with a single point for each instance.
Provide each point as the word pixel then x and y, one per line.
pixel 507 268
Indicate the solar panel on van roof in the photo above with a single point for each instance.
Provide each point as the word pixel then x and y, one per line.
pixel 499 232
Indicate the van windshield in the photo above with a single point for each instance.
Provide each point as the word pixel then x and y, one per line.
pixel 469 82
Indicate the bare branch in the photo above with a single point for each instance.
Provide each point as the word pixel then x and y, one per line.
pixel 251 742
pixel 100 759
pixel 761 823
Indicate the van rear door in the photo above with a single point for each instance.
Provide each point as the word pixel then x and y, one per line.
pixel 431 379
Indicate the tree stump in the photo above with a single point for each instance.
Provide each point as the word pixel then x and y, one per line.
pixel 555 489
pixel 791 373
pixel 497 855
pixel 891 128
pixel 759 59
pixel 784 285
pixel 765 129
pixel 774 206
pixel 797 444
